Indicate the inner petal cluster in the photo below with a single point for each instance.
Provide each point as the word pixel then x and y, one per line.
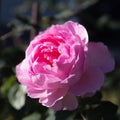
pixel 48 52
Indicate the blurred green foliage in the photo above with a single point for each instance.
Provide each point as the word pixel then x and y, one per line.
pixel 102 25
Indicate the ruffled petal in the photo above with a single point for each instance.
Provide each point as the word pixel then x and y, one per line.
pixel 78 30
pixel 73 63
pixel 53 97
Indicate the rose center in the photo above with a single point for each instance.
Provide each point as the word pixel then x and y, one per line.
pixel 48 53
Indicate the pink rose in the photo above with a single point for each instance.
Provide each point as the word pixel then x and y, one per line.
pixel 60 64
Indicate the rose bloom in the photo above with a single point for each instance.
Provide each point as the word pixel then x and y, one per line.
pixel 61 64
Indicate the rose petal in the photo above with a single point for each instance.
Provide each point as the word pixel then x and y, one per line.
pixel 99 56
pixel 34 92
pixel 78 30
pixel 73 63
pixel 21 69
pixel 53 97
pixel 90 82
pixel 44 81
pixel 69 102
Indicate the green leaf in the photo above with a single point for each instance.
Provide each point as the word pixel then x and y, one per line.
pixel 7 85
pixel 17 96
pixel 51 115
pixel 33 116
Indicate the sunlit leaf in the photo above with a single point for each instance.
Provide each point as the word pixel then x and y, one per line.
pixel 51 115
pixel 16 96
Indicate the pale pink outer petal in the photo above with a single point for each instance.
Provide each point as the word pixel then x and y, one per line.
pixel 44 81
pixel 42 87
pixel 48 97
pixel 53 97
pixel 32 45
pixel 69 102
pixel 99 56
pixel 78 30
pixel 91 81
pixel 35 92
pixel 22 72
pixel 52 82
